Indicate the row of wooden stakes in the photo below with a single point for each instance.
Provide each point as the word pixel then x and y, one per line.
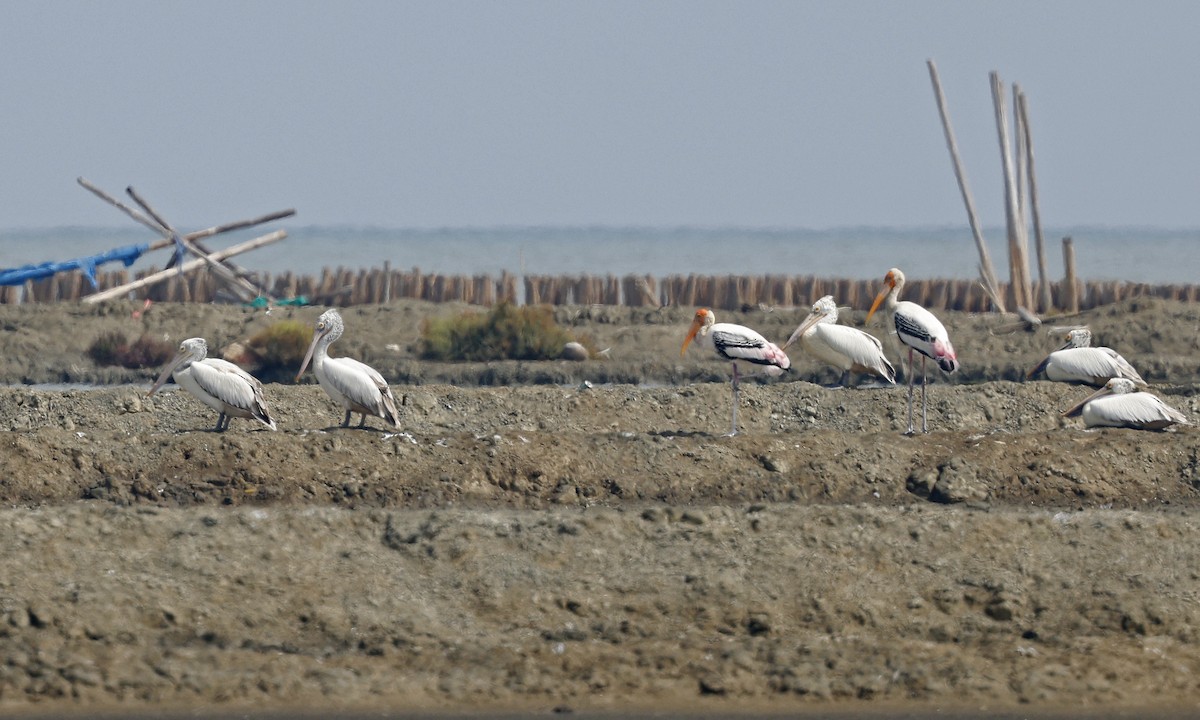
pixel 344 287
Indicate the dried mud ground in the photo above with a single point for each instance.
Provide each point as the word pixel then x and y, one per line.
pixel 530 543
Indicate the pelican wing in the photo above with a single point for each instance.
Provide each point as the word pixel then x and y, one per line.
pixel 859 351
pixel 1124 369
pixel 1094 365
pixel 362 385
pixel 1134 410
pixel 234 387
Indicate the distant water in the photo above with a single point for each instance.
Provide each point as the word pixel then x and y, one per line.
pixel 1154 255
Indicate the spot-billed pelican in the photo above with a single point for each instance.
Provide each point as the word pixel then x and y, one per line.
pixel 846 348
pixel 1117 404
pixel 735 342
pixel 1078 361
pixel 919 330
pixel 219 384
pixel 357 387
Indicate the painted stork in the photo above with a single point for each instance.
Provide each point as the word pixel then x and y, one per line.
pixel 1078 361
pixel 219 384
pixel 920 331
pixel 357 387
pixel 735 343
pixel 1118 404
pixel 846 348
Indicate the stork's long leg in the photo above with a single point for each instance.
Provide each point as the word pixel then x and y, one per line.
pixel 222 423
pixel 924 408
pixel 733 430
pixel 363 423
pixel 346 422
pixel 911 368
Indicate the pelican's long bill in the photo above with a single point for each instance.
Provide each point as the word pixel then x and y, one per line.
pixel 697 323
pixel 1038 368
pixel 170 368
pixel 1075 411
pixel 318 333
pixel 812 319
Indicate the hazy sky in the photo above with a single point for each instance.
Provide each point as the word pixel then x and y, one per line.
pixel 810 114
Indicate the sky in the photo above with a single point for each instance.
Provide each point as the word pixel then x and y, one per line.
pixel 451 113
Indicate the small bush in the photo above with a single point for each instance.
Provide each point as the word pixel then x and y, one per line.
pixel 108 348
pixel 112 348
pixel 148 351
pixel 505 333
pixel 281 345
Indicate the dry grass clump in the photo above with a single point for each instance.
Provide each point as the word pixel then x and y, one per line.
pixel 113 348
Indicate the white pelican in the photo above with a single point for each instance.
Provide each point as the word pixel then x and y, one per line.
pixel 219 384
pixel 357 387
pixel 1077 361
pixel 846 348
pixel 919 330
pixel 735 342
pixel 1118 405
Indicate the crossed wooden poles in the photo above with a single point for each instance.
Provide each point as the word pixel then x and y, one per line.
pixel 232 276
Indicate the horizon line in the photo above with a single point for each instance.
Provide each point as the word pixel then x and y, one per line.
pixel 619 227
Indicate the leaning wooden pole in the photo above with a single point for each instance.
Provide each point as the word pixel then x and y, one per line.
pixel 198 234
pixel 1018 263
pixel 239 286
pixel 1039 240
pixel 162 275
pixel 986 271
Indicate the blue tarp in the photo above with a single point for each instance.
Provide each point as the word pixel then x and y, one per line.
pixel 87 265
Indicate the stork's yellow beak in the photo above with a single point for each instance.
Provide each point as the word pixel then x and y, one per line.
pixel 696 323
pixel 889 282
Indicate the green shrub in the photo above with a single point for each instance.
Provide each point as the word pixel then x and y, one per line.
pixel 281 345
pixel 506 332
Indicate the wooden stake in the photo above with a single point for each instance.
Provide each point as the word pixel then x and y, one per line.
pixel 1072 287
pixel 1040 244
pixel 986 271
pixel 1018 265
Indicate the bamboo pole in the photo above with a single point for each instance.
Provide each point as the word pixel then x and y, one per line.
pixel 986 271
pixel 187 266
pixel 1019 164
pixel 240 287
pixel 1018 264
pixel 239 224
pixel 1039 240
pixel 1021 134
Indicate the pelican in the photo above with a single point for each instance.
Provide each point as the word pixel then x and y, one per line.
pixel 920 331
pixel 359 388
pixel 735 342
pixel 1077 361
pixel 219 384
pixel 1118 405
pixel 846 348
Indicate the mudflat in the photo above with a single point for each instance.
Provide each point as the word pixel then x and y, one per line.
pixel 580 536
